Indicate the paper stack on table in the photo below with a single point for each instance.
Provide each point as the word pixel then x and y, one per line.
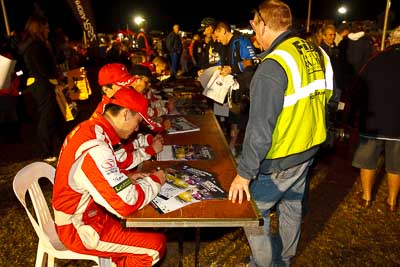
pixel 186 185
pixel 181 125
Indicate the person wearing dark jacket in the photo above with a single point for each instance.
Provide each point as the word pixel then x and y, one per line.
pixel 174 47
pixel 379 128
pixel 359 49
pixel 40 63
pixel 211 50
pixel 237 56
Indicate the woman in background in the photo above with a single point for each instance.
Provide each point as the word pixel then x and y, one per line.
pixel 40 63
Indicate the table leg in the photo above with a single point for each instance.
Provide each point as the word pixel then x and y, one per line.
pixel 197 247
pixel 180 248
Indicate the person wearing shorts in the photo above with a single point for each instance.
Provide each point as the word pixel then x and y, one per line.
pixel 366 158
pixel 379 129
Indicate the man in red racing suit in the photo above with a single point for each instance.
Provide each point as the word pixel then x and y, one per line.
pixel 91 192
pixel 132 152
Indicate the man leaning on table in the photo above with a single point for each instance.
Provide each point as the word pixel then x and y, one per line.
pixel 91 192
pixel 288 95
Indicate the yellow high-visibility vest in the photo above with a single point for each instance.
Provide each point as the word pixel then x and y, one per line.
pixel 301 124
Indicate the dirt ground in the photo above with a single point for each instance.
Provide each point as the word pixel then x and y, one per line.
pixel 336 230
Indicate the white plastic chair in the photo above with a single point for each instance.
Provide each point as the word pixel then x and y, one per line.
pixel 49 243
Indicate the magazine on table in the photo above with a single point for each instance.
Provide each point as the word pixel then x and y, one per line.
pixel 181 125
pixel 191 106
pixel 186 185
pixel 186 152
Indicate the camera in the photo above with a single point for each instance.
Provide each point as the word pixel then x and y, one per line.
pixel 256 61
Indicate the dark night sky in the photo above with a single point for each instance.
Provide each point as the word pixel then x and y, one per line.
pixel 161 14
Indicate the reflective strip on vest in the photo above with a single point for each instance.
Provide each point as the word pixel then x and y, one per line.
pixel 306 91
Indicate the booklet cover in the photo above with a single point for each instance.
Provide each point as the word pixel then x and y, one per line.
pixel 217 86
pixel 181 125
pixel 208 74
pixel 186 185
pixel 186 152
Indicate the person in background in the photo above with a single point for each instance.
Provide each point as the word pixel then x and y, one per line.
pixel 343 77
pixel 143 85
pixel 42 72
pixel 61 50
pixel 145 43
pixel 342 31
pixel 379 130
pixel 185 59
pixel 359 47
pixel 211 55
pixel 131 152
pixel 237 58
pixel 174 46
pixel 328 44
pixel 159 67
pixel 195 52
pixel 288 94
pixel 91 192
pixel 315 36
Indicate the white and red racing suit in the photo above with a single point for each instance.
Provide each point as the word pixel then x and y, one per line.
pixel 91 193
pixel 129 154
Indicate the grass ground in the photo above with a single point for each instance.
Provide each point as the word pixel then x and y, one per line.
pixel 337 231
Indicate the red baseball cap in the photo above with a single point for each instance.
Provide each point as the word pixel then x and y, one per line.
pixel 130 98
pixel 115 73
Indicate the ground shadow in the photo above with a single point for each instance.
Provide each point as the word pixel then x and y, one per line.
pixel 333 167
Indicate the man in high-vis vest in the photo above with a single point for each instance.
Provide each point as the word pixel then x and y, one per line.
pixel 288 96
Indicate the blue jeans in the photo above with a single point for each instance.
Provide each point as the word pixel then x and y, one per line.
pixel 174 57
pixel 286 190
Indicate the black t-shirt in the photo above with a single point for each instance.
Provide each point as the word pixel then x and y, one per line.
pixel 211 54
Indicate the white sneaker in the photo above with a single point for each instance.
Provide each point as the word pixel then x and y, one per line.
pixel 50 159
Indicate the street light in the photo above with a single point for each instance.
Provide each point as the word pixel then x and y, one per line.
pixel 139 20
pixel 342 10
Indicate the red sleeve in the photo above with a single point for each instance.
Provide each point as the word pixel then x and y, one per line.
pixel 149 139
pixel 155 178
pixel 150 150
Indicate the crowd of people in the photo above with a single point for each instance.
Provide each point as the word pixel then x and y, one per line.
pixel 288 83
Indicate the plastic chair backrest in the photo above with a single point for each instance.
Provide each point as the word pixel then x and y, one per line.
pixel 27 180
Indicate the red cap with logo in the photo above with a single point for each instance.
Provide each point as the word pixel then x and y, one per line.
pixel 115 73
pixel 130 98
